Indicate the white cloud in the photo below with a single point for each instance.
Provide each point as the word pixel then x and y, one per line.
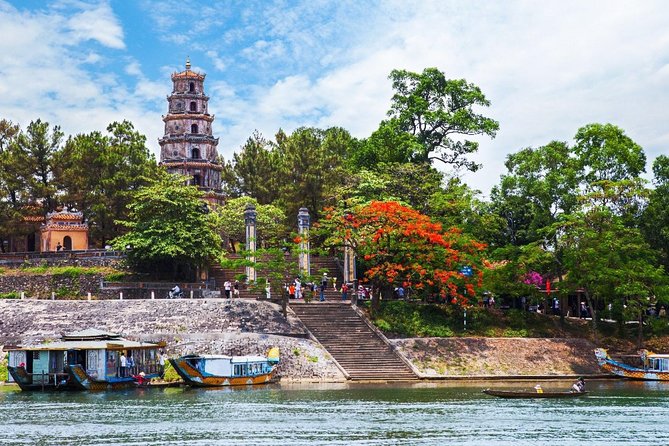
pixel 97 23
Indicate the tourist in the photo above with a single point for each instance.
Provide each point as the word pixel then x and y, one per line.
pixel 334 283
pixel 344 291
pixel 227 286
pixel 298 288
pixel 291 291
pixel 236 288
pixel 400 292
pixel 161 362
pixel 175 292
pixel 124 365
pixel 579 385
pixel 491 301
pixel 130 363
pixel 58 247
pixel 538 388
pixel 584 310
pixel 324 284
pixel 663 312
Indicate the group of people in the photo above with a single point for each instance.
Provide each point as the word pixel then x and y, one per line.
pixel 127 366
pixel 231 289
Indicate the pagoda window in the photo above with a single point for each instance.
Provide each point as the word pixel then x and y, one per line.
pixel 195 153
pixel 197 180
pixel 67 243
pixel 193 128
pixel 193 106
pixel 191 87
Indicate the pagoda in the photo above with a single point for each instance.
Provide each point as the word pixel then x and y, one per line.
pixel 188 146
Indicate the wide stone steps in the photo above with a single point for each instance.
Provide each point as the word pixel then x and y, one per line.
pixel 351 342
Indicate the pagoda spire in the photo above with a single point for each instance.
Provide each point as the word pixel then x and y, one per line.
pixel 187 62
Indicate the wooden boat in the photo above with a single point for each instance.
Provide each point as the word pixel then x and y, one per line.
pixel 532 394
pixel 84 360
pixel 220 370
pixel 655 367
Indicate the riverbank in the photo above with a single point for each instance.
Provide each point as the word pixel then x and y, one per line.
pixel 239 327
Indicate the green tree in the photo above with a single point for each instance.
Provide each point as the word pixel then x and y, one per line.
pixel 169 227
pixel 31 157
pixel 310 168
pixel 270 220
pixel 655 218
pixel 433 110
pixel 253 171
pixel 9 184
pixel 122 164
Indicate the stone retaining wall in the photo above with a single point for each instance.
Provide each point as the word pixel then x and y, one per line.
pixel 41 286
pixel 441 357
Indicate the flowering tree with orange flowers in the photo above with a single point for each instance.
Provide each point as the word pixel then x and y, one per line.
pixel 397 245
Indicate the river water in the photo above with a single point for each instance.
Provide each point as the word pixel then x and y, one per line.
pixel 615 412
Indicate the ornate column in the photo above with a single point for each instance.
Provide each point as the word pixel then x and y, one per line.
pixel 250 215
pixel 349 258
pixel 304 259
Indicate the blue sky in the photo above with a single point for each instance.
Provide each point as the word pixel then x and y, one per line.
pixel 547 67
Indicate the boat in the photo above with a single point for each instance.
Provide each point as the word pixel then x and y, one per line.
pixel 532 394
pixel 84 360
pixel 654 366
pixel 222 370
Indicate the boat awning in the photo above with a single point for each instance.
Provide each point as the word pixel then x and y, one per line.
pixel 116 344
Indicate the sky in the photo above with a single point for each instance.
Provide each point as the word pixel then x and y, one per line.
pixel 548 68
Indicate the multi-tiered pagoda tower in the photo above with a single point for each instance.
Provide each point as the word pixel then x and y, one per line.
pixel 188 146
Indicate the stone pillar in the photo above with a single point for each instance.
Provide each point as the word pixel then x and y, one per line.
pixel 349 259
pixel 250 215
pixel 304 260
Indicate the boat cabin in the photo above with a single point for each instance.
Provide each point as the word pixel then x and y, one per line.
pixel 229 366
pixel 96 351
pixel 657 363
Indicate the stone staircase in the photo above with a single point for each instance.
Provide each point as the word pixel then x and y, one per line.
pixel 352 343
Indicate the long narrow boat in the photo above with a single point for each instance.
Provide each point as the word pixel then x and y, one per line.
pixel 532 394
pixel 220 370
pixel 85 360
pixel 655 367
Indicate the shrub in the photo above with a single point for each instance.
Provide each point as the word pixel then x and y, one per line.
pixel 10 295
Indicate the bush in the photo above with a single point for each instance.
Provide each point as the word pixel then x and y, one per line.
pixel 10 295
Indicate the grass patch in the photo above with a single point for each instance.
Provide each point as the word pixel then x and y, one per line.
pixel 64 271
pixel 312 358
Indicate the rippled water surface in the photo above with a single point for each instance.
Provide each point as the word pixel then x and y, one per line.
pixel 615 412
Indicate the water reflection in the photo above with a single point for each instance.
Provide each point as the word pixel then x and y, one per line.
pixel 615 412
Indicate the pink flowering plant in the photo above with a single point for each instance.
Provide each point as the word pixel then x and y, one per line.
pixel 533 278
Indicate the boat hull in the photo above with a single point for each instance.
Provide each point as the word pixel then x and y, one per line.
pixel 627 371
pixel 194 378
pixel 23 379
pixel 82 381
pixel 523 394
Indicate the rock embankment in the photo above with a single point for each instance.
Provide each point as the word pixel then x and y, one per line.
pixel 452 357
pixel 218 326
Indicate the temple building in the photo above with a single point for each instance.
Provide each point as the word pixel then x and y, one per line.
pixel 64 230
pixel 188 146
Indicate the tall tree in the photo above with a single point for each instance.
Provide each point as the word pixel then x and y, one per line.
pixel 270 220
pixel 122 164
pixel 253 170
pixel 434 110
pixel 9 184
pixel 655 218
pixel 32 155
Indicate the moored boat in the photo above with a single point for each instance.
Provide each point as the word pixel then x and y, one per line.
pixel 222 370
pixel 654 367
pixel 532 394
pixel 85 360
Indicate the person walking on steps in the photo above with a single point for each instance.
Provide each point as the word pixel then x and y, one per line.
pixel 324 284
